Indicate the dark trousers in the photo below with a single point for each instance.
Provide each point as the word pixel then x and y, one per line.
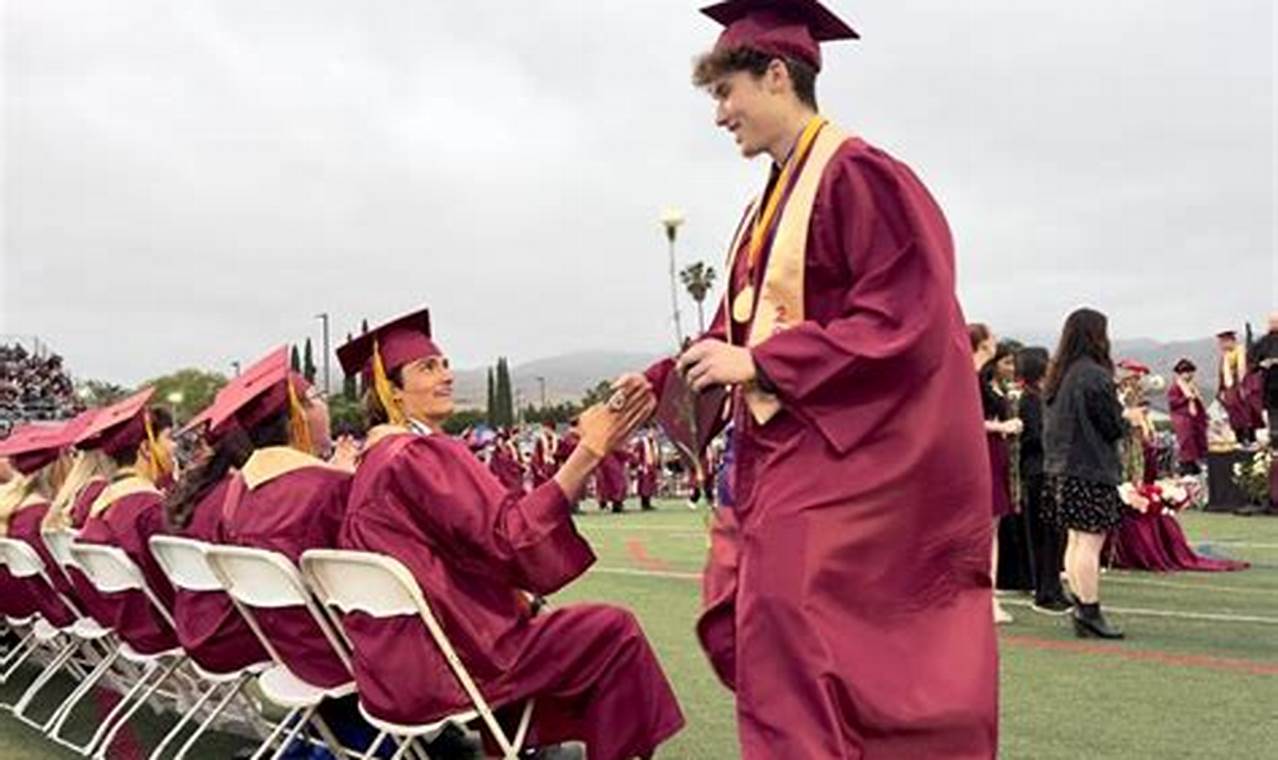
pixel 1047 540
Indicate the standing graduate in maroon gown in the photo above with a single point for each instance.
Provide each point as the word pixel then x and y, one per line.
pixel 1188 417
pixel 128 512
pixel 476 550
pixel 1235 388
pixel 544 455
pixel 862 482
pixel 611 482
pixel 506 463
pixel 646 458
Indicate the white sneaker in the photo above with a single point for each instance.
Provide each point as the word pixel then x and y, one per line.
pixel 1001 616
pixel 692 505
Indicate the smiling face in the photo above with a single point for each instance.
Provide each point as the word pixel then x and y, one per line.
pixel 426 390
pixel 754 109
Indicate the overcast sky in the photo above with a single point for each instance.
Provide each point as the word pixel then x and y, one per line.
pixel 189 183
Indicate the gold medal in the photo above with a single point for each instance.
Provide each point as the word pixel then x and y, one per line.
pixel 743 304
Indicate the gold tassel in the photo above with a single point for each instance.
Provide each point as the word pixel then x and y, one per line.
pixel 382 387
pixel 299 430
pixel 159 461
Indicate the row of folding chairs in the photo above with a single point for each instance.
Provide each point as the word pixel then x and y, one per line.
pixel 328 585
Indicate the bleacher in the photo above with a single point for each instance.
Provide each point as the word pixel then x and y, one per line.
pixel 34 384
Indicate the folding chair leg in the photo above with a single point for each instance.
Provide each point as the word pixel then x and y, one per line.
pixel 23 651
pixel 54 725
pixel 405 746
pixel 302 720
pixel 52 669
pixel 120 706
pixel 338 749
pixel 231 693
pixel 373 746
pixel 178 727
pixel 100 753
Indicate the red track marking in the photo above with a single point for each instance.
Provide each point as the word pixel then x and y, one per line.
pixel 126 745
pixel 1207 662
pixel 639 553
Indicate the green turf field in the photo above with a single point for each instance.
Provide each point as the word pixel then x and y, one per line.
pixel 1197 677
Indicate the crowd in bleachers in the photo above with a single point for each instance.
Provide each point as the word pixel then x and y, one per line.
pixel 34 387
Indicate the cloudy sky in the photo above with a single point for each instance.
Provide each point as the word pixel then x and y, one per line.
pixel 190 183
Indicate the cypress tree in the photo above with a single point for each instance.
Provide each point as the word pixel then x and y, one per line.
pixel 491 407
pixel 294 362
pixel 308 363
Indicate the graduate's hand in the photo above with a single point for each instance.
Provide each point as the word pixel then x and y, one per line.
pixel 632 383
pixel 345 453
pixel 713 362
pixel 605 427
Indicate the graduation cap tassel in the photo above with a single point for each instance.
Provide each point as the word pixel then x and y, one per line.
pixel 382 387
pixel 299 430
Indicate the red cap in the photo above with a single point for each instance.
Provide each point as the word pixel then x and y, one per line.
pixel 258 394
pixel 1134 367
pixel 784 28
pixel 119 427
pixel 399 342
pixel 33 446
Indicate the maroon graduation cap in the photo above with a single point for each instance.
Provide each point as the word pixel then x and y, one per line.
pixel 690 419
pixel 33 446
pixel 119 427
pixel 398 342
pixel 257 394
pixel 784 28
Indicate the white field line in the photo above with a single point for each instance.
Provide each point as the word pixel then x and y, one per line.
pixel 1110 577
pixel 1232 542
pixel 1139 611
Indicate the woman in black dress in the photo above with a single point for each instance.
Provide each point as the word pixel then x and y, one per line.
pixel 1082 428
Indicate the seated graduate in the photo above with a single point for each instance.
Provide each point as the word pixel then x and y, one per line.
pixel 476 549
pixel 40 454
pixel 209 627
pixel 284 498
pixel 128 511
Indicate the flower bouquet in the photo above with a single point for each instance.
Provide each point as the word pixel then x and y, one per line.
pixel 1252 478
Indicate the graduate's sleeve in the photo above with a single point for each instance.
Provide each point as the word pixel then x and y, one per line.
pixel 897 318
pixel 528 540
pixel 1177 401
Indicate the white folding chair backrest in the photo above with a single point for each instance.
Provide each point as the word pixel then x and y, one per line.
pixel 59 544
pixel 183 561
pixel 21 559
pixel 111 571
pixel 265 579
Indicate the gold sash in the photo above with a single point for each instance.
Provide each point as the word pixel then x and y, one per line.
pixel 269 463
pixel 118 490
pixel 779 304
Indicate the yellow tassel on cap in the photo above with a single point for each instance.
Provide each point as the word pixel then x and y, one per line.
pixel 159 460
pixel 382 387
pixel 299 430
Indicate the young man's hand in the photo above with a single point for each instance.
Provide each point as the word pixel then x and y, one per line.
pixel 713 362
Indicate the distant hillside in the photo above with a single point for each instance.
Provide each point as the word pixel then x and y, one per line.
pixel 567 376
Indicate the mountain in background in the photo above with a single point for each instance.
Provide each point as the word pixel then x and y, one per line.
pixel 568 376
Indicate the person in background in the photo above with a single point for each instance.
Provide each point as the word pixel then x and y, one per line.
pixel 646 459
pixel 545 449
pixel 1046 540
pixel 1232 387
pixel 1188 418
pixel 1265 354
pixel 1083 425
pixel 1000 426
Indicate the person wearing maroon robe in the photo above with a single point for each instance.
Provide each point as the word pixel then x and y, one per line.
pixel 646 458
pixel 505 462
pixel 128 512
pixel 544 455
pixel 611 482
pixel 1237 388
pixel 861 621
pixel 476 548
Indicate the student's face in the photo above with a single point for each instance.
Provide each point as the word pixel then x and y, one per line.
pixel 427 392
pixel 1006 368
pixel 747 106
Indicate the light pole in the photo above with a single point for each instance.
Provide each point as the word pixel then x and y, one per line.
pixel 671 219
pixel 323 317
pixel 235 365
pixel 541 381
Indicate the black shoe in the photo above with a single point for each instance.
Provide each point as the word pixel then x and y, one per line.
pixel 1054 606
pixel 571 751
pixel 1090 622
pixel 454 743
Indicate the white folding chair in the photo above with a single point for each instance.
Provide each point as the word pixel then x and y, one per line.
pixel 77 637
pixel 183 561
pixel 111 571
pixel 262 579
pixel 382 587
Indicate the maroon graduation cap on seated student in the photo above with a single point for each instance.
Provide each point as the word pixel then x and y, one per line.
pixel 784 28
pixel 119 427
pixel 264 390
pixel 382 350
pixel 33 445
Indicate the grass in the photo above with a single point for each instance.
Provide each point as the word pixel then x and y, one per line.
pixel 1180 686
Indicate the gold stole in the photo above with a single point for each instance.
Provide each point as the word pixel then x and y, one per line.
pixel 779 304
pixel 118 490
pixel 1234 366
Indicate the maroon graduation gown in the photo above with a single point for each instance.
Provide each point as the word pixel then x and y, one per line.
pixel 1190 425
pixel 24 525
pixel 646 471
pixel 86 595
pixel 292 509
pixel 506 467
pixel 128 523
pixel 862 609
pixel 611 483
pixel 474 547
pixel 209 627
pixel 544 465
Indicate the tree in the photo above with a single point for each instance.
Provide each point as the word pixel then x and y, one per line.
pixel 698 278
pixel 598 394
pixel 363 326
pixel 505 403
pixel 350 387
pixel 101 393
pixel 560 414
pixel 490 408
pixel 294 361
pixel 308 363
pixel 346 417
pixel 466 418
pixel 186 391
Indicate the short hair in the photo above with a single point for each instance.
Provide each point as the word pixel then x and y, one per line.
pixel 978 333
pixel 716 64
pixel 1031 364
